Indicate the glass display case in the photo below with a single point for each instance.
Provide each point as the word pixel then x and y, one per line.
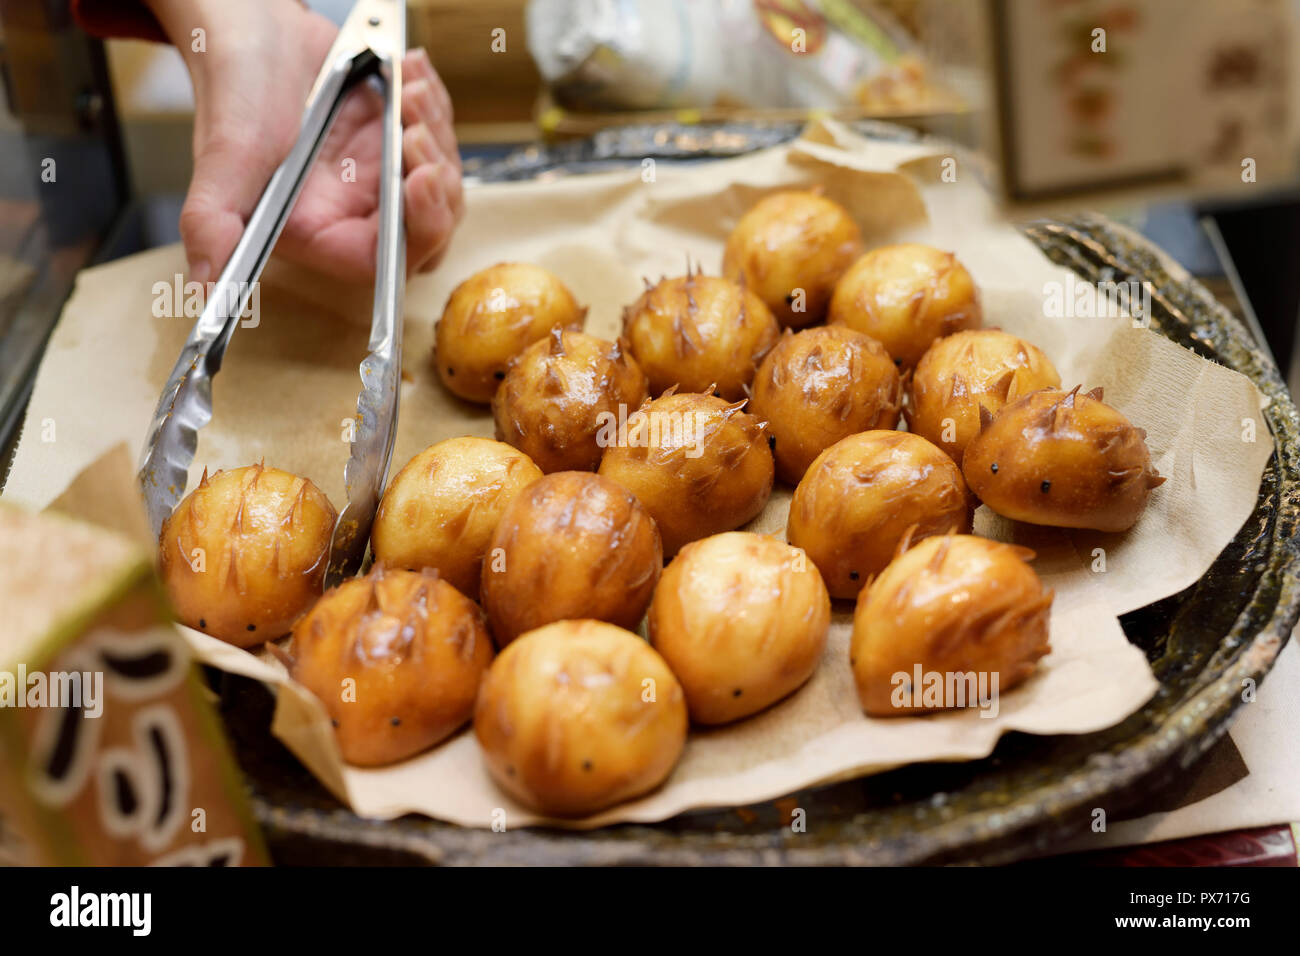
pixel 62 183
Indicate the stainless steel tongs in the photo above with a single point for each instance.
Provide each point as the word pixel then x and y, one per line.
pixel 370 46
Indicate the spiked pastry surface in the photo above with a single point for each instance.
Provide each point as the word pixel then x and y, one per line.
pixel 1062 458
pixel 699 464
pixel 245 553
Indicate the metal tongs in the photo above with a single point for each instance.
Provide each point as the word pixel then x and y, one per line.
pixel 370 46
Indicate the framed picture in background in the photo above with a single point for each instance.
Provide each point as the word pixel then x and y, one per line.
pixel 1110 96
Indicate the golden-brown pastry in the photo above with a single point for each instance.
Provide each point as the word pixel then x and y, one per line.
pixel 819 386
pixel 1064 459
pixel 700 333
pixel 571 545
pixel 863 494
pixel 440 510
pixel 493 316
pixel 558 391
pixel 906 296
pixel 245 553
pixel 742 620
pixel 966 371
pixel 579 715
pixel 791 248
pixel 698 464
pixel 396 657
pixel 952 622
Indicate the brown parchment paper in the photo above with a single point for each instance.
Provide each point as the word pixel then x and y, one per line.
pixel 289 384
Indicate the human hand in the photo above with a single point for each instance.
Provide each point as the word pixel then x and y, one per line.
pixel 251 78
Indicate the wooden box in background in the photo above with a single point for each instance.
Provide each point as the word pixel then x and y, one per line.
pixel 494 91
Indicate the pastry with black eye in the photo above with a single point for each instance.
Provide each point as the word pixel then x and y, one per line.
pixel 440 510
pixel 864 495
pixel 396 657
pixel 1065 459
pixel 493 316
pixel 246 552
pixel 790 249
pixel 558 392
pixel 579 715
pixel 572 544
pixel 742 620
pixel 818 386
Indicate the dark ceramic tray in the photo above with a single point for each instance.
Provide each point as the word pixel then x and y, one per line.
pixel 1026 798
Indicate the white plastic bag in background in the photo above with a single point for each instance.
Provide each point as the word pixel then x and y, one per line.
pixel 669 54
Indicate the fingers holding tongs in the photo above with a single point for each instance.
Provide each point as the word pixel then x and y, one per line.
pixel 369 48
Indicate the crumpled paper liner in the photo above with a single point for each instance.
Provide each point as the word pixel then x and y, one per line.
pixel 288 386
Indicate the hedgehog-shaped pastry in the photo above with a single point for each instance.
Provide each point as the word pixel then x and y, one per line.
pixel 440 510
pixel 245 553
pixel 694 331
pixel 493 316
pixel 1064 459
pixel 864 495
pixel 951 622
pixel 967 370
pixel 819 386
pixel 556 393
pixel 699 465
pixel 906 296
pixel 791 248
pixel 570 545
pixel 396 657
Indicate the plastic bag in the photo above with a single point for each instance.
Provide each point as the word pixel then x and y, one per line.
pixel 657 54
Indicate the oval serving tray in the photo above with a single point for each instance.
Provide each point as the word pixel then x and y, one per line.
pixel 1031 793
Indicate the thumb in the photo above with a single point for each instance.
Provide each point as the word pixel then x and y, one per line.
pixel 223 191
